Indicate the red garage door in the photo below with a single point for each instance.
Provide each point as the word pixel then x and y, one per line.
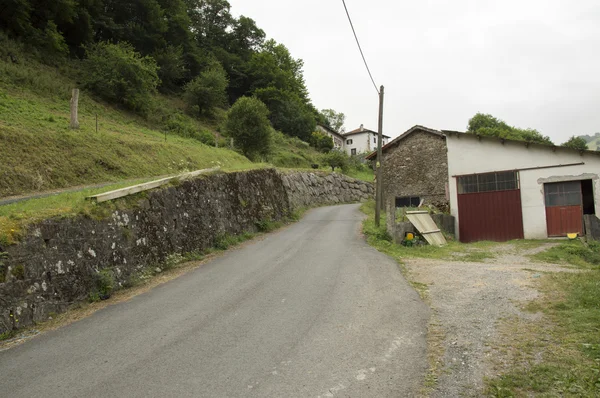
pixel 489 207
pixel 564 208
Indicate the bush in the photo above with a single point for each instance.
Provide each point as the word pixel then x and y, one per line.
pixel 183 126
pixel 248 124
pixel 321 142
pixel 117 73
pixel 104 285
pixel 207 91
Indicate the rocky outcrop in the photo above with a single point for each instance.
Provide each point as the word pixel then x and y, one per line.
pixel 61 261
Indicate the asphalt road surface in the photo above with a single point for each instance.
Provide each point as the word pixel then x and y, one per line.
pixel 308 311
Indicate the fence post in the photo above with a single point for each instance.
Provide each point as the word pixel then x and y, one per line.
pixel 74 106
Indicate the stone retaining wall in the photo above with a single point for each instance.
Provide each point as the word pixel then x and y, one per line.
pixel 59 261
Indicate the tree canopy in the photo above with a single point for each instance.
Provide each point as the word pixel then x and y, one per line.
pixel 576 143
pixel 490 126
pixel 332 119
pixel 247 123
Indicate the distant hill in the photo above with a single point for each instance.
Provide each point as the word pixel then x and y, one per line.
pixel 593 141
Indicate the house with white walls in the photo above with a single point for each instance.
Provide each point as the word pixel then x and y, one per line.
pixel 496 189
pixel 362 140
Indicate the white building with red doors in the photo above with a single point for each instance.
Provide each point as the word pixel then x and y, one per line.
pixel 504 189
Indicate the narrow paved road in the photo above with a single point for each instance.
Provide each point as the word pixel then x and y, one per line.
pixel 308 311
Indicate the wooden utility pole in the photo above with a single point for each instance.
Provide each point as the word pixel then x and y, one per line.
pixel 379 186
pixel 74 105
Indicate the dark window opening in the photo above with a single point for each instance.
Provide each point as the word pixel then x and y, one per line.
pixel 408 201
pixel 348 142
pixel 587 194
pixel 488 182
pixel 563 194
pixel 353 151
pixel 374 140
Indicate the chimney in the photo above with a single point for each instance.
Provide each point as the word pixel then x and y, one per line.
pixel 362 127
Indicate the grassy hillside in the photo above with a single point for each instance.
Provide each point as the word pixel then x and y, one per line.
pixel 593 141
pixel 39 152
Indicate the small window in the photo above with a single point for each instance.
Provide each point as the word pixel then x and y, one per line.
pixel 563 194
pixel 374 140
pixel 489 182
pixel 353 151
pixel 348 142
pixel 408 201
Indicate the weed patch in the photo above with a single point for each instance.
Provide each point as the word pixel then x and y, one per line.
pixel 104 285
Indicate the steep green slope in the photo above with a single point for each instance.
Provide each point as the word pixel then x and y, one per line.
pixel 38 150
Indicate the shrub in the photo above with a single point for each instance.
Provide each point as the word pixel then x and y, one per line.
pixel 104 285
pixel 117 73
pixel 207 91
pixel 321 142
pixel 248 124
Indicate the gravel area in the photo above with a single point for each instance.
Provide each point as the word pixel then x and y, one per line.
pixel 468 299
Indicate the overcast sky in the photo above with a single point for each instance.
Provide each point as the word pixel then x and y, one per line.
pixel 532 63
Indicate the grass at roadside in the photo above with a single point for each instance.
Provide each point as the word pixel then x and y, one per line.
pixel 572 252
pixel 558 355
pixel 379 238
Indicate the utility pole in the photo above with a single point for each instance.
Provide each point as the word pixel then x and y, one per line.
pixel 379 187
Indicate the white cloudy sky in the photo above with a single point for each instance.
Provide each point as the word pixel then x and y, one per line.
pixel 532 63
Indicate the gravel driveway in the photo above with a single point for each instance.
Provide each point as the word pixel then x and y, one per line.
pixel 467 300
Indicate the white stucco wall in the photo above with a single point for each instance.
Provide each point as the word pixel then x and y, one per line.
pixel 469 155
pixel 363 142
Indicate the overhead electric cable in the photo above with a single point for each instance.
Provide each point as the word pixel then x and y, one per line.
pixel 359 47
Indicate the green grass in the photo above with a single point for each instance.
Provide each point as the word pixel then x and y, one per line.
pixel 572 252
pixel 454 251
pixel 365 175
pixel 566 361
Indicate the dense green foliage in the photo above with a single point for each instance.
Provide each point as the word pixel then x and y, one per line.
pixel 489 126
pixel 576 143
pixel 119 74
pixel 322 142
pixel 207 91
pixel 192 47
pixel 337 159
pixel 248 124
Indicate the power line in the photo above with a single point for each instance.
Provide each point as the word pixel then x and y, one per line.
pixel 359 47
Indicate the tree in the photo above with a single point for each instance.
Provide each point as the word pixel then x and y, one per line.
pixel 248 124
pixel 321 142
pixel 171 67
pixel 116 72
pixel 578 143
pixel 333 119
pixel 336 159
pixel 288 113
pixel 489 126
pixel 207 91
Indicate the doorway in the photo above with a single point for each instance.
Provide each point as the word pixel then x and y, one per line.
pixel 566 203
